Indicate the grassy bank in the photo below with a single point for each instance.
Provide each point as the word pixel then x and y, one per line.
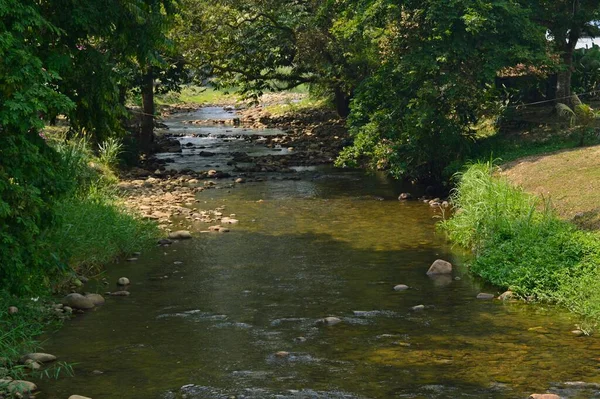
pixel 89 227
pixel 520 244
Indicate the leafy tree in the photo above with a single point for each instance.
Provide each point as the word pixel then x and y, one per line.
pixel 438 60
pixel 567 21
pixel 258 46
pixel 30 173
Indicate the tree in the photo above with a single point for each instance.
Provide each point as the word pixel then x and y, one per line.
pixel 567 21
pixel 438 61
pixel 258 46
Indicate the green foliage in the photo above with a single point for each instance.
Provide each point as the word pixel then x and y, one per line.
pixel 32 178
pixel 260 46
pixel 109 151
pixel 18 331
pixel 521 245
pixel 581 116
pixel 94 228
pixel 438 61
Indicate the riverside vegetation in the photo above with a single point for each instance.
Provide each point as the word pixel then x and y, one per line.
pixel 414 83
pixel 520 244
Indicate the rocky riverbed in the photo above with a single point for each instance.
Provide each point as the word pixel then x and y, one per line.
pixel 326 285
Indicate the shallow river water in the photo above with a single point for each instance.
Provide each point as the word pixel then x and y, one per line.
pixel 206 317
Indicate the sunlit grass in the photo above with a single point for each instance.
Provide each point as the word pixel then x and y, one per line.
pixel 520 244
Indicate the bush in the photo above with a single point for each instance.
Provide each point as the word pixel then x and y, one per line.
pixel 521 245
pixel 32 178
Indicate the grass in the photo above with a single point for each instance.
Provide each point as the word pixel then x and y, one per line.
pixel 18 333
pixel 570 179
pixel 196 95
pixel 520 244
pixel 92 228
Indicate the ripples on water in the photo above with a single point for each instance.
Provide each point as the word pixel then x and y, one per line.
pixel 333 244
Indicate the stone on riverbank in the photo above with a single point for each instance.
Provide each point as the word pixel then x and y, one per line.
pixel 78 397
pixel 180 235
pixel 544 396
pixel 96 299
pixel 483 295
pixel 19 387
pixel 405 197
pixel 506 296
pixel 401 287
pixel 418 308
pixel 329 321
pixel 440 267
pixel 119 293
pixel 78 301
pixel 38 357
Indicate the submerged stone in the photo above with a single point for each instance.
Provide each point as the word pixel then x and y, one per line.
pixel 440 267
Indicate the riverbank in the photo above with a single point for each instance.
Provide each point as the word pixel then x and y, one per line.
pixel 519 241
pixel 90 227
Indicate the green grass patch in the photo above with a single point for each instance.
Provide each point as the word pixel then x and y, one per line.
pixel 95 228
pixel 521 245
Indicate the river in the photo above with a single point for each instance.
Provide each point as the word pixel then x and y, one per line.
pixel 209 317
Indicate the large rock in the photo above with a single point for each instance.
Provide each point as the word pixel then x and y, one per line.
pixel 180 235
pixel 78 301
pixel 440 267
pixel 38 357
pixel 96 299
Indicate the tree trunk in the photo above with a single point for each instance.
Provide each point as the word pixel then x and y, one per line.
pixel 146 138
pixel 563 78
pixel 342 102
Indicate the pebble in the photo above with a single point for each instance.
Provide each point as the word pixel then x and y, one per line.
pixel 180 235
pixel 544 396
pixel 506 296
pixel 282 354
pixel 123 281
pixel 78 397
pixel 418 308
pixel 578 333
pixel 329 321
pixel 119 293
pixel 401 287
pixel 13 310
pixel 483 295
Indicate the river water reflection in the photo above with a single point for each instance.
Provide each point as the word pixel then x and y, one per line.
pixel 206 317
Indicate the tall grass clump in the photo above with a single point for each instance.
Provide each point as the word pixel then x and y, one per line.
pixel 520 244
